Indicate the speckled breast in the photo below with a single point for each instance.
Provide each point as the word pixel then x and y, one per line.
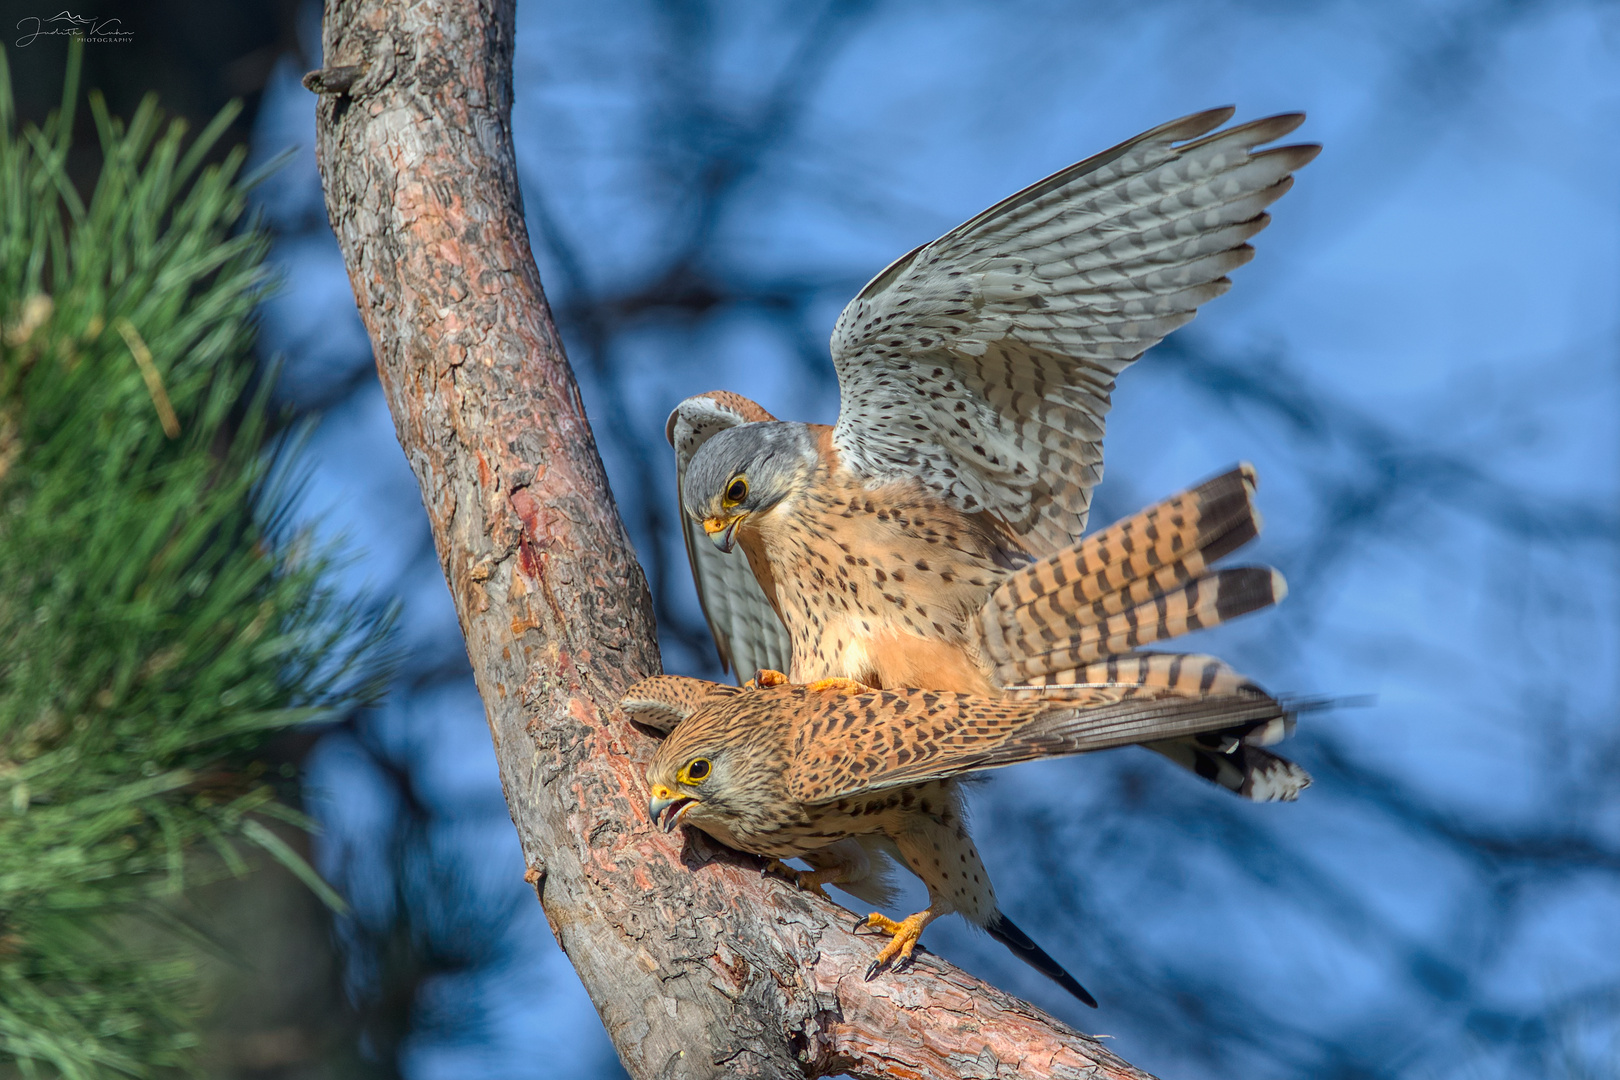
pixel 878 585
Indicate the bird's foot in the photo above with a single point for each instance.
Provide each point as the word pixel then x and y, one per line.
pixel 808 880
pixel 902 940
pixel 843 686
pixel 765 677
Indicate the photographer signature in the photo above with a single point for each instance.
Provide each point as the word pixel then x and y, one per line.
pixel 69 24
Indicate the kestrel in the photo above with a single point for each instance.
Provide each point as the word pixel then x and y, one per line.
pixel 931 537
pixel 826 775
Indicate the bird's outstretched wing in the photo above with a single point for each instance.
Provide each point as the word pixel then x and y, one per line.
pixel 849 746
pixel 982 363
pixel 746 629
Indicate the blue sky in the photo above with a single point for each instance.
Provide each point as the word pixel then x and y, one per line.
pixel 1422 361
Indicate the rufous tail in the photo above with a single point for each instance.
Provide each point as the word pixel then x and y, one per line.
pixel 1077 618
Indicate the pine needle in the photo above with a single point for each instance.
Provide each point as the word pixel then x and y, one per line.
pixel 149 372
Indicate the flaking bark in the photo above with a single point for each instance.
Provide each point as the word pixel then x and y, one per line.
pixel 699 966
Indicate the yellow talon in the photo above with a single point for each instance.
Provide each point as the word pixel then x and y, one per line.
pixel 902 940
pixel 765 677
pixel 846 686
pixel 880 922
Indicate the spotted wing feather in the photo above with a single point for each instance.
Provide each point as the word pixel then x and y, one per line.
pixel 747 631
pixel 983 363
pixel 852 745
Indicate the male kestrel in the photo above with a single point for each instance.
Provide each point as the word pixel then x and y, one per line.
pixel 826 775
pixel 932 536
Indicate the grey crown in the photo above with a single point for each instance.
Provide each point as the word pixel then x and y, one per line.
pixel 772 456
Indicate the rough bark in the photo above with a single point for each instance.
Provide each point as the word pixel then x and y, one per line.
pixel 698 965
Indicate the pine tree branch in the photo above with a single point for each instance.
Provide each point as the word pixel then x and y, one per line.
pixel 698 965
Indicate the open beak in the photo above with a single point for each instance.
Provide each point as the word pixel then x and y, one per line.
pixel 666 808
pixel 723 531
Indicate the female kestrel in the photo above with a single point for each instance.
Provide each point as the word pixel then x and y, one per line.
pixel 830 776
pixel 929 537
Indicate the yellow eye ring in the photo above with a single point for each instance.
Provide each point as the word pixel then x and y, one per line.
pixel 736 492
pixel 696 771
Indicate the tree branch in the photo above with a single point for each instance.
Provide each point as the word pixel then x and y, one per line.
pixel 698 965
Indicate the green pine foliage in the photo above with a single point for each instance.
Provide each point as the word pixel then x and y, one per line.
pixel 158 619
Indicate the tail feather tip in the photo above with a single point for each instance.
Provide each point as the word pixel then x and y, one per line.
pixel 1003 930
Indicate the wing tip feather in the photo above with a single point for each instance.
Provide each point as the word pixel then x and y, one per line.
pixel 1254 132
pixel 1279 586
pixel 1195 124
pixel 1296 155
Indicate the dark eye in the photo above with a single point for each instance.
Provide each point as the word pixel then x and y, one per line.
pixel 738 491
pixel 697 770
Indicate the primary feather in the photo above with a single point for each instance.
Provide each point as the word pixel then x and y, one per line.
pixel 983 363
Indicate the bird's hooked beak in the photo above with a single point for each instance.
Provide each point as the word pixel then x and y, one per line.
pixel 666 808
pixel 723 531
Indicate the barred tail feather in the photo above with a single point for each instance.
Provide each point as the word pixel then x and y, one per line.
pixel 1033 647
pixel 1213 519
pixel 1069 626
pixel 1180 673
pixel 1244 769
pixel 1142 579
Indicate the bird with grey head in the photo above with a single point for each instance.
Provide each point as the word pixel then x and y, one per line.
pixel 746 470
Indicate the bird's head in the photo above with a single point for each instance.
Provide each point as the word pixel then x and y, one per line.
pixel 690 785
pixel 679 791
pixel 714 768
pixel 743 471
